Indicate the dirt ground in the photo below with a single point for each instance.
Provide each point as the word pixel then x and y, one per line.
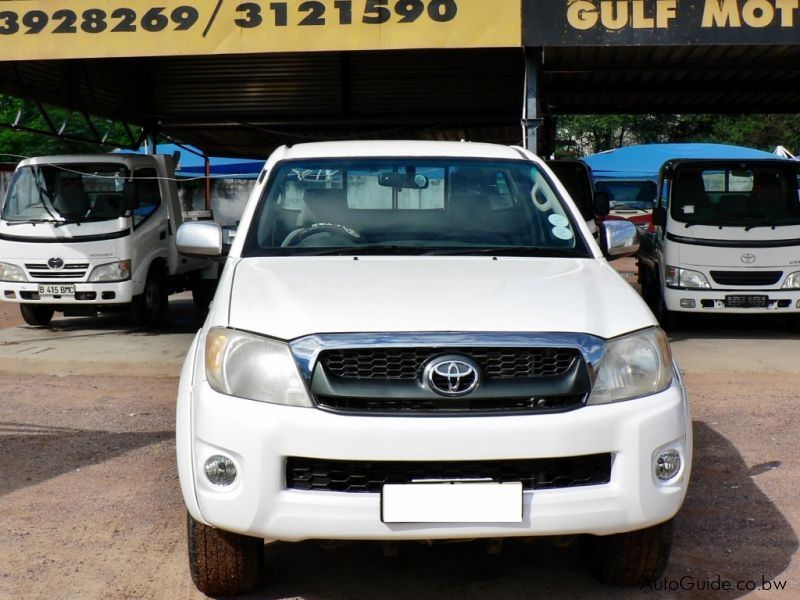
pixel 90 506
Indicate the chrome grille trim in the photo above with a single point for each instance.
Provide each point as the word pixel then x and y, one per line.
pixel 306 350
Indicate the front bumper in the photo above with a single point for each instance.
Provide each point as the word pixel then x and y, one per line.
pixel 259 437
pixel 117 292
pixel 713 301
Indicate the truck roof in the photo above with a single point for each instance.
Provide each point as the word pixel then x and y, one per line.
pixel 120 157
pixel 378 148
pixel 644 161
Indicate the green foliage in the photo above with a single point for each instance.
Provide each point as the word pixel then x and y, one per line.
pixel 18 143
pixel 579 135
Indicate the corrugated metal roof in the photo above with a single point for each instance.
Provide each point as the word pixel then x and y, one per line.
pixel 246 105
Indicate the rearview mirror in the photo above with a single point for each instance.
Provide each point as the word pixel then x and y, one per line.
pixel 199 238
pixel 618 239
pixel 403 180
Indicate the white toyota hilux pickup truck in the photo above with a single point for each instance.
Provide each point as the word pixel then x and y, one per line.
pixel 422 341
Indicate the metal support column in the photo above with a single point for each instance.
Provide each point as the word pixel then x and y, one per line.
pixel 531 119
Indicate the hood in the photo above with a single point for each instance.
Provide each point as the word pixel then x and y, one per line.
pixel 291 297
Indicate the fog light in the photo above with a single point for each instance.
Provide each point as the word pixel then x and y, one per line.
pixel 668 464
pixel 220 470
pixel 687 303
pixel 798 304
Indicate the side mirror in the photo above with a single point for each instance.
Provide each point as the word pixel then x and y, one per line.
pixel 660 216
pixel 199 238
pixel 601 204
pixel 618 239
pixel 129 195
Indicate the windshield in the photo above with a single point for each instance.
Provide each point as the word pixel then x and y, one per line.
pixel 629 194
pixel 738 194
pixel 411 206
pixel 66 193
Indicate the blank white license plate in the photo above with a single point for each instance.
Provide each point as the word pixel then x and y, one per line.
pixel 484 502
pixel 56 289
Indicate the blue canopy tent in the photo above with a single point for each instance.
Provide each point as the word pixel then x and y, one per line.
pixel 193 164
pixel 644 161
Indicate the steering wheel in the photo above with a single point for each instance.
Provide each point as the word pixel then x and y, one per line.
pixel 342 231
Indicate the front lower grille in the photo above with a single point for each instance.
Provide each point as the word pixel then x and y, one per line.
pixel 738 278
pixel 70 271
pixel 408 363
pixel 370 476
pixel 451 405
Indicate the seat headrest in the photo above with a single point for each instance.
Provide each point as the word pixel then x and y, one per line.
pixel 324 205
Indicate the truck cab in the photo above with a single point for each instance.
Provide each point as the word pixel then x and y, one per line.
pixel 88 233
pixel 727 239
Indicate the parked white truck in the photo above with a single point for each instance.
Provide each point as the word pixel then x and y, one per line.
pixel 727 240
pixel 422 341
pixel 86 233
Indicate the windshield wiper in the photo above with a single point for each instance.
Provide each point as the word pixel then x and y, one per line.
pixel 368 249
pixel 762 223
pixel 506 251
pixel 69 222
pixel 29 221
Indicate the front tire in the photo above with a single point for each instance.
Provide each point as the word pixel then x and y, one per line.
pixel 669 320
pixel 149 307
pixel 629 559
pixel 36 315
pixel 203 293
pixel 223 563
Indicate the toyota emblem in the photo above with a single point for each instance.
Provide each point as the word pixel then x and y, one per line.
pixel 748 259
pixel 452 376
pixel 56 263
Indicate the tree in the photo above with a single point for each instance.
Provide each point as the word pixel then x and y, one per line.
pixel 16 144
pixel 587 134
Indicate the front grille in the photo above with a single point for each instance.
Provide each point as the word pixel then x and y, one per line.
pixel 737 278
pixel 370 476
pixel 70 271
pixel 450 405
pixel 408 363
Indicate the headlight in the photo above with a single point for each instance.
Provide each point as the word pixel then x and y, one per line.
pixel 118 271
pixel 636 365
pixel 792 281
pixel 11 273
pixel 253 367
pixel 685 278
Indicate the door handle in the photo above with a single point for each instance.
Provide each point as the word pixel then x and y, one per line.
pixel 162 235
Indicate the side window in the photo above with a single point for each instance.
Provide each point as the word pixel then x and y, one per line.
pixel 148 194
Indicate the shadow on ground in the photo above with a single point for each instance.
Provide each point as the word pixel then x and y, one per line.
pixel 182 317
pixel 32 454
pixel 734 327
pixel 714 538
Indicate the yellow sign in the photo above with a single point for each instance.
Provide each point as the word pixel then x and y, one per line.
pixel 40 29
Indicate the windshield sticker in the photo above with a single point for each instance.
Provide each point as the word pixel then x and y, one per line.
pixel 688 209
pixel 562 233
pixel 558 220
